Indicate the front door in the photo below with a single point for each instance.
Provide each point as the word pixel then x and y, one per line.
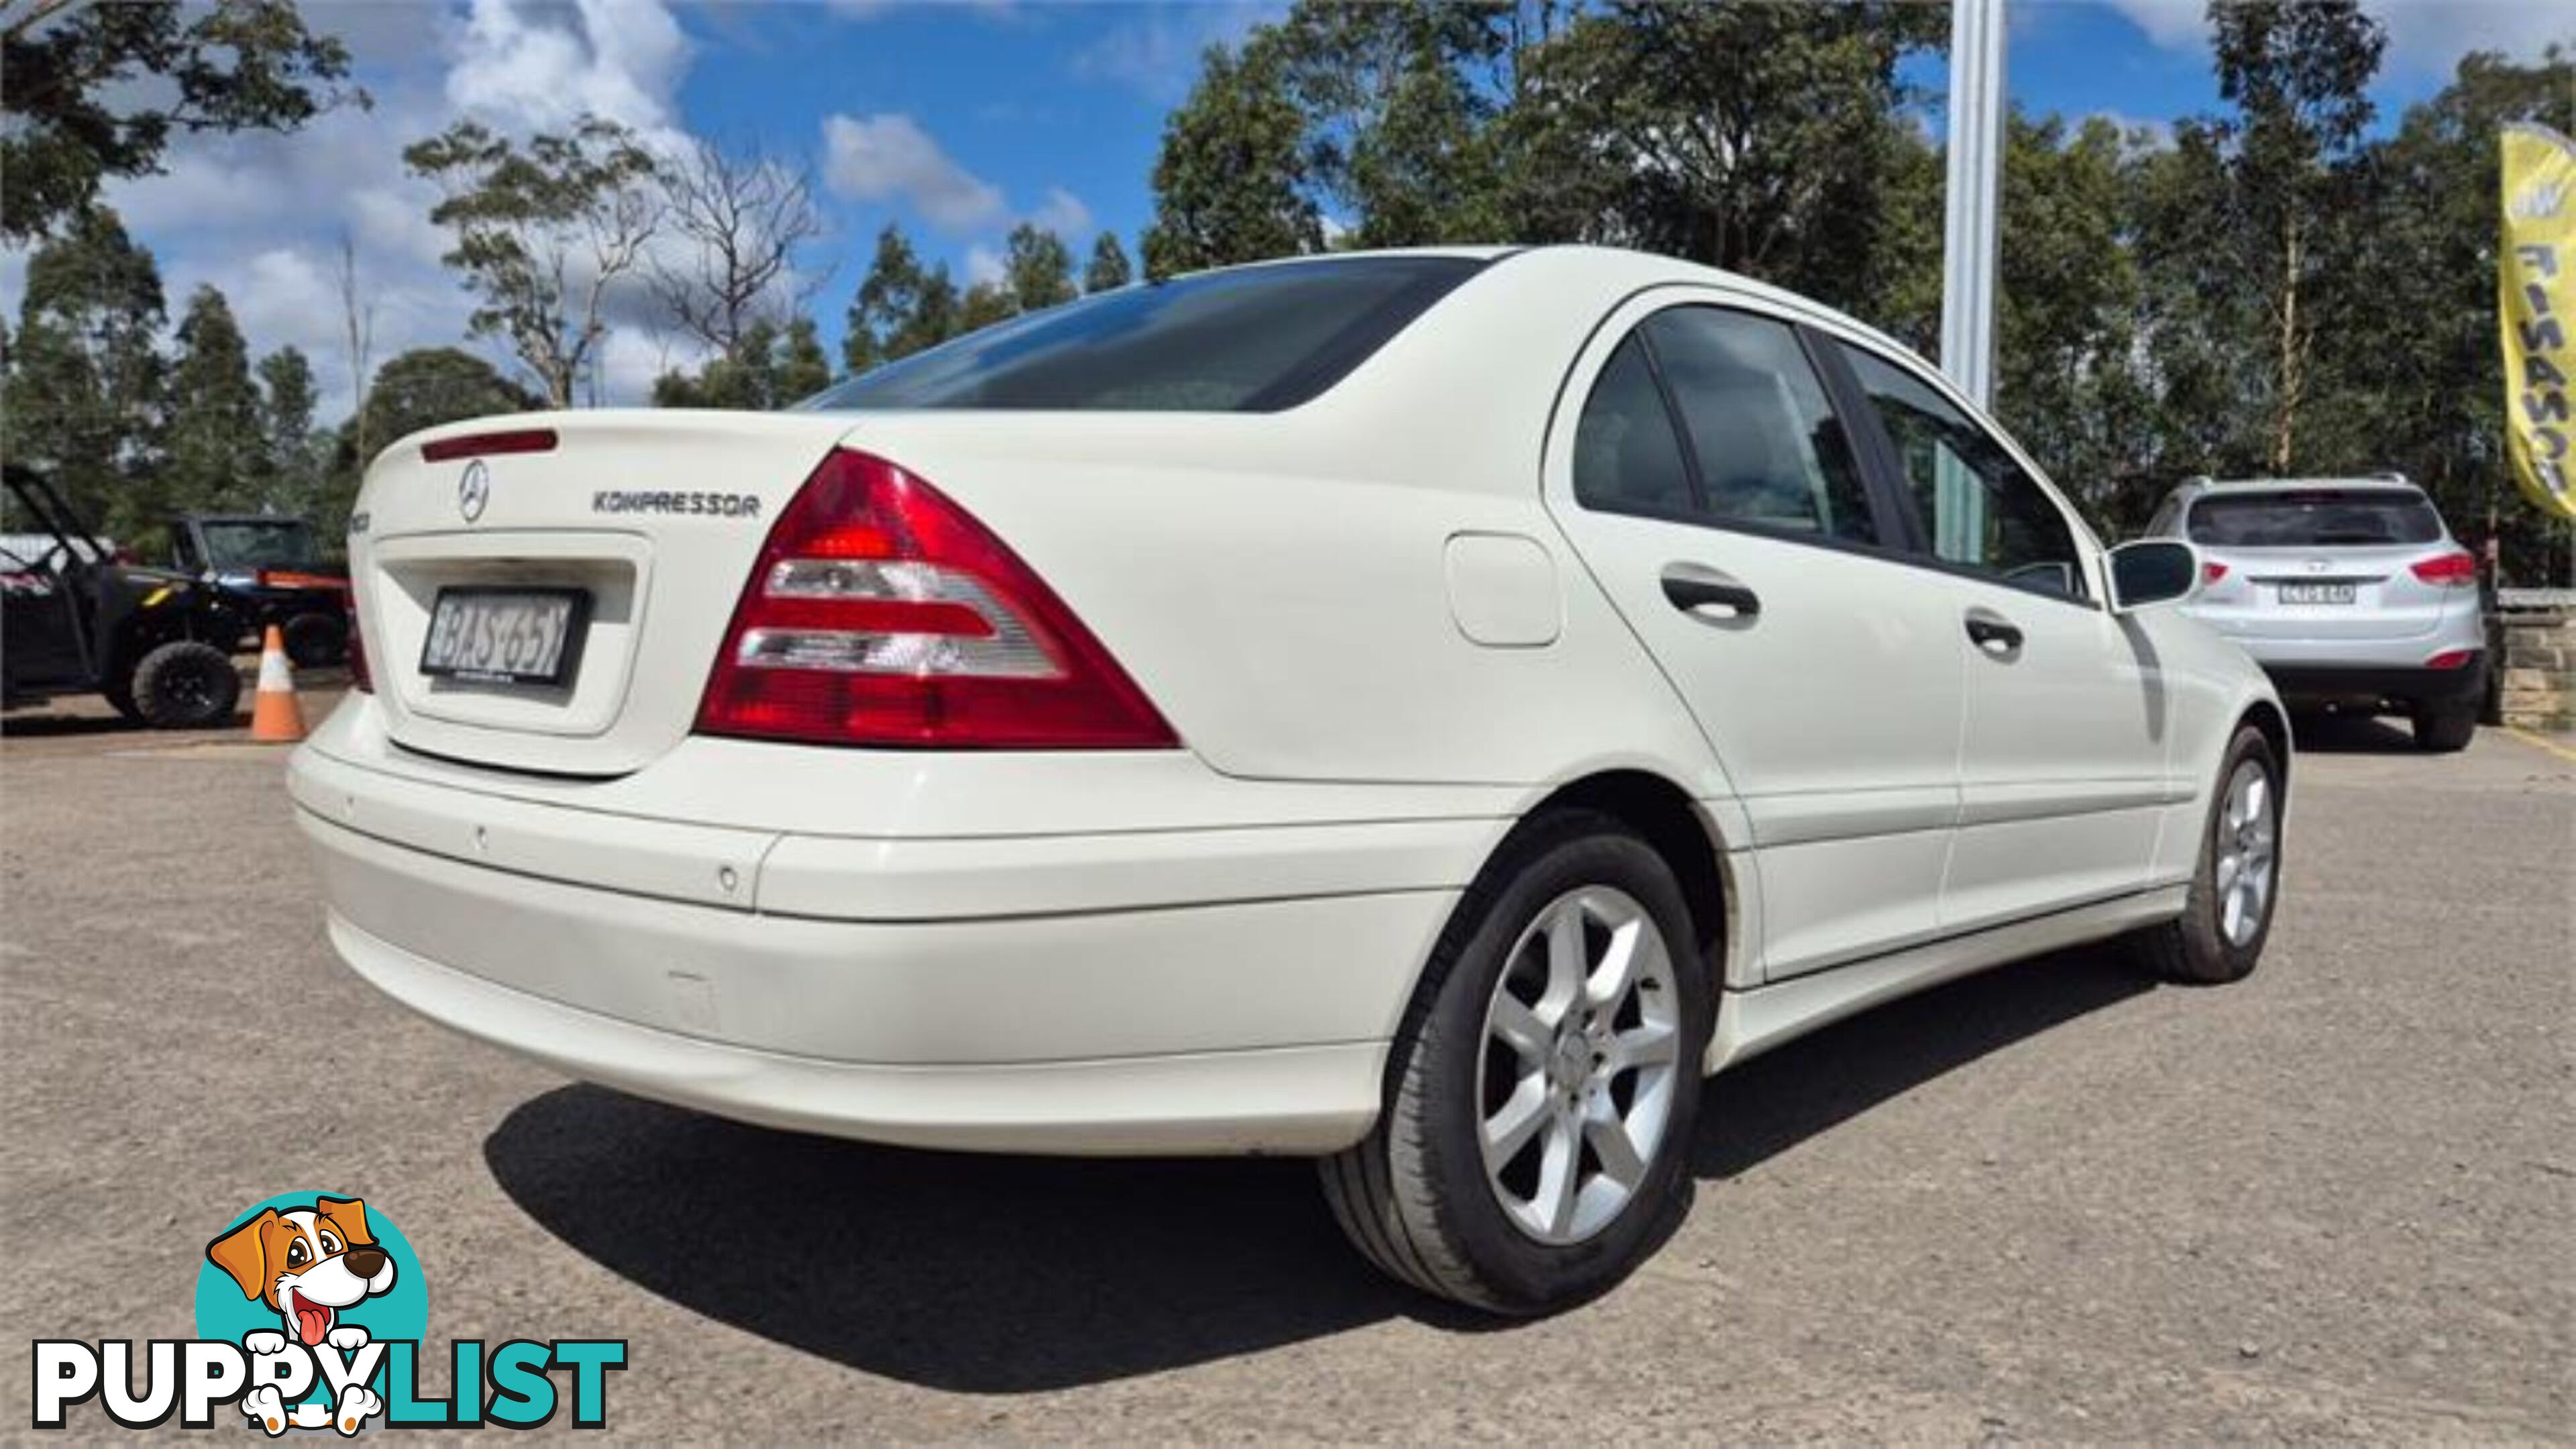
pixel 2062 759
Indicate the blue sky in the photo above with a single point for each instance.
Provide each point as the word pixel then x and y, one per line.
pixel 955 119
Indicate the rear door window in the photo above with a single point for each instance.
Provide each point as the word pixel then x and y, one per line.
pixel 2315 518
pixel 1769 449
pixel 1253 339
pixel 1627 458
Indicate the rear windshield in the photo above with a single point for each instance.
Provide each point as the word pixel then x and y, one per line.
pixel 260 543
pixel 1253 340
pixel 2309 518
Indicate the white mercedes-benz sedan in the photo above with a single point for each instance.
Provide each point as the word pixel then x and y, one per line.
pixel 1421 711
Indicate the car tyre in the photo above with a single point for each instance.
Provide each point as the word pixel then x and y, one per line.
pixel 1417 1195
pixel 185 685
pixel 2446 728
pixel 2227 913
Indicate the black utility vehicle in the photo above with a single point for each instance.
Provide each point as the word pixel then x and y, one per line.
pixel 275 563
pixel 73 620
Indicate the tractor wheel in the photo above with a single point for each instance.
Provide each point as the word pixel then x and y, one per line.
pixel 316 641
pixel 185 685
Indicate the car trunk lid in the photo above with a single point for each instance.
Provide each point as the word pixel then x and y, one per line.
pixel 2343 593
pixel 650 519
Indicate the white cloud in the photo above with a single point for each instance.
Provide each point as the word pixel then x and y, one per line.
pixel 381 35
pixel 2425 37
pixel 2169 24
pixel 623 60
pixel 1063 213
pixel 633 357
pixel 1155 52
pixel 889 156
pixel 260 216
pixel 983 264
pixel 2428 37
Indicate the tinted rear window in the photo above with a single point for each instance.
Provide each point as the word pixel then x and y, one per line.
pixel 1253 340
pixel 260 543
pixel 2311 518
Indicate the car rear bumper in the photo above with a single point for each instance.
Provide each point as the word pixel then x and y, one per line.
pixel 1289 1100
pixel 1184 991
pixel 2326 683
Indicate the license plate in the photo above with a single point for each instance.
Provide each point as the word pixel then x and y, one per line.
pixel 2316 593
pixel 505 635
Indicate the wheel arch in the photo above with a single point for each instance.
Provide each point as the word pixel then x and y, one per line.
pixel 2266 715
pixel 1665 815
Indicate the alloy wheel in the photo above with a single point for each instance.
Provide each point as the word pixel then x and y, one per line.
pixel 2247 840
pixel 1579 1064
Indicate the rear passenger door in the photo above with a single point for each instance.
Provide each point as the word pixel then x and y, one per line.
pixel 2062 759
pixel 1700 469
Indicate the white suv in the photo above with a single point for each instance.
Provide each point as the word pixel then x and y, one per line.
pixel 2348 591
pixel 1419 711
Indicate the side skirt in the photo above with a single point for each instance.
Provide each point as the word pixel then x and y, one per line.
pixel 1753 1021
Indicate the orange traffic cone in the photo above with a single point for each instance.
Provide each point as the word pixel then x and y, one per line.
pixel 275 716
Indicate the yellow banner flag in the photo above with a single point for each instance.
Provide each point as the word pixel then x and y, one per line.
pixel 2537 310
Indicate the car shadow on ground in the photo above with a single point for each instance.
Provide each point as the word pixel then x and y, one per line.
pixel 1007 1275
pixel 2327 733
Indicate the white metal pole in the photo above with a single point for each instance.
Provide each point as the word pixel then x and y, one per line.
pixel 1969 229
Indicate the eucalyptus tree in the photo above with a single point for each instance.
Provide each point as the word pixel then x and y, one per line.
pixel 544 231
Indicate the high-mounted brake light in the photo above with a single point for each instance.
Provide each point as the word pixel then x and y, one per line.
pixel 881 613
pixel 489 445
pixel 2450 570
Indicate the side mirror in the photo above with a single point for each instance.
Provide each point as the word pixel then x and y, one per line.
pixel 2153 571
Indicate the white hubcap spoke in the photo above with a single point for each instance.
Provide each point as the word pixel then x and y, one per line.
pixel 1519 1028
pixel 1509 1130
pixel 1613 1148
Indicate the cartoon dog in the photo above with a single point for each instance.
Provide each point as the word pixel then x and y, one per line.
pixel 308 1264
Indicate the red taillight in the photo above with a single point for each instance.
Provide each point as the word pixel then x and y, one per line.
pixel 359 679
pixel 2451 659
pixel 881 613
pixel 2449 570
pixel 2211 573
pixel 486 445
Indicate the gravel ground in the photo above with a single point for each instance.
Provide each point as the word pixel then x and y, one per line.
pixel 2337 1201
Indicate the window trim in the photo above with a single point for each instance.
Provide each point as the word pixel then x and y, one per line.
pixel 1882 453
pixel 1649 298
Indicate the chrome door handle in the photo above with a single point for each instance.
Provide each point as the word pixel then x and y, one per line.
pixel 1993 633
pixel 1692 588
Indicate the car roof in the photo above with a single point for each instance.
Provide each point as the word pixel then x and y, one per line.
pixel 1618 268
pixel 2296 485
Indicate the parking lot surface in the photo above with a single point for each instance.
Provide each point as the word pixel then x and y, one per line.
pixel 2336 1201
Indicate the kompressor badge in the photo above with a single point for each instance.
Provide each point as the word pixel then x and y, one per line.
pixel 722 505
